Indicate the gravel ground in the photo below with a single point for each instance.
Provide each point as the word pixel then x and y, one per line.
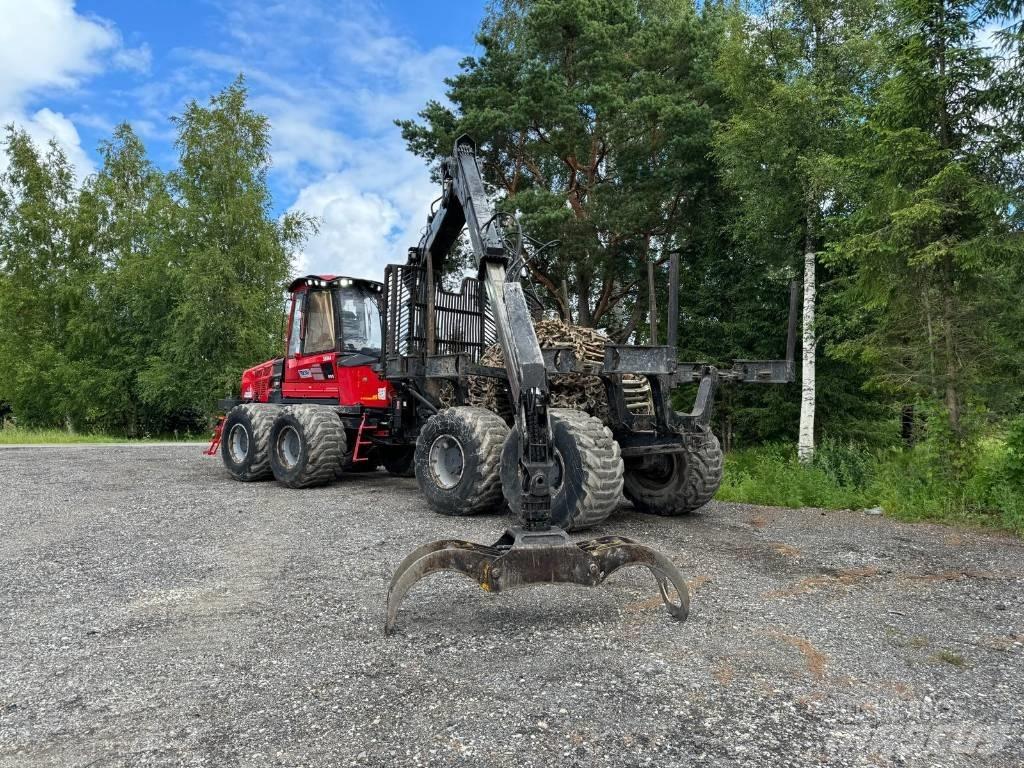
pixel 154 612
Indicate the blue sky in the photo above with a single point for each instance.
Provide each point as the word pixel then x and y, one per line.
pixel 330 75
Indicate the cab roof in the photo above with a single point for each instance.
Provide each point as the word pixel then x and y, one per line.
pixel 332 280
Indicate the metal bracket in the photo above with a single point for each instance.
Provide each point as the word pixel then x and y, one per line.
pixel 623 358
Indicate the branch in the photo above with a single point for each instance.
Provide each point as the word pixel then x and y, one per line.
pixel 548 283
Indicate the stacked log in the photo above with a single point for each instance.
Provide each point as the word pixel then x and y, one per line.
pixel 580 391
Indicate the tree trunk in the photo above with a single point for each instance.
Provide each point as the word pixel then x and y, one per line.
pixel 805 446
pixel 583 301
pixel 949 322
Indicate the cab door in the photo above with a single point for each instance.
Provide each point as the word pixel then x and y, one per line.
pixel 310 371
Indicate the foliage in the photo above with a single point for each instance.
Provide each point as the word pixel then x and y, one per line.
pixel 929 303
pixel 15 435
pixel 981 487
pixel 131 303
pixel 595 121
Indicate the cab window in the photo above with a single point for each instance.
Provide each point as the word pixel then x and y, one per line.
pixel 360 321
pixel 319 323
pixel 294 335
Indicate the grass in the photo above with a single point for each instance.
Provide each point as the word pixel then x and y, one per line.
pixel 12 435
pixel 950 657
pixel 981 486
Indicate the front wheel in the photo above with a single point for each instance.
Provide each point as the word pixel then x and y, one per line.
pixel 674 484
pixel 245 441
pixel 307 444
pixel 456 460
pixel 587 485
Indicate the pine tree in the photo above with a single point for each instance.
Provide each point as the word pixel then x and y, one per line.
pixel 595 123
pixel 931 244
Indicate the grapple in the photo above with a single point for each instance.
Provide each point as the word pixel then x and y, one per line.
pixel 524 557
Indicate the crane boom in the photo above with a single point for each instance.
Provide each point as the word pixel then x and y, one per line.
pixel 464 203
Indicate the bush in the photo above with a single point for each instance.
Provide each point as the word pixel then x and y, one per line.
pixel 979 483
pixel 771 474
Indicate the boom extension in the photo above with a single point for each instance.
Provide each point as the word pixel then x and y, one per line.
pixel 538 552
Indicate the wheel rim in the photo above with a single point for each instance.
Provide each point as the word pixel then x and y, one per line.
pixel 238 443
pixel 447 461
pixel 289 446
pixel 655 472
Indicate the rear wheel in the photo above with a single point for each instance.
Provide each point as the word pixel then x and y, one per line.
pixel 676 483
pixel 245 441
pixel 456 460
pixel 368 463
pixel 399 461
pixel 307 444
pixel 587 486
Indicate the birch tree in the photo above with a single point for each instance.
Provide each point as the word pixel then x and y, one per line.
pixel 796 75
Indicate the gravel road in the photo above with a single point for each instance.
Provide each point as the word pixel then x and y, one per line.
pixel 154 612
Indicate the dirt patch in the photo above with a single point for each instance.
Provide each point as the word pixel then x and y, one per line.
pixel 724 672
pixel 816 660
pixel 952 576
pixel 786 550
pixel 1005 642
pixel 843 578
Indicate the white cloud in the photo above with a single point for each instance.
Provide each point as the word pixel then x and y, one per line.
pixel 137 59
pixel 370 211
pixel 46 45
pixel 45 125
pixel 356 227
pixel 332 77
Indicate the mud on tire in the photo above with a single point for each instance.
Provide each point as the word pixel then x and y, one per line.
pixel 245 441
pixel 307 445
pixel 456 460
pixel 588 477
pixel 673 484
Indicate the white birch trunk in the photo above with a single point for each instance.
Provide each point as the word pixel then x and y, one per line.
pixel 805 446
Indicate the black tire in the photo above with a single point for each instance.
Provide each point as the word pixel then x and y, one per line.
pixel 307 445
pixel 370 462
pixel 358 468
pixel 245 441
pixel 588 485
pixel 456 460
pixel 672 484
pixel 400 462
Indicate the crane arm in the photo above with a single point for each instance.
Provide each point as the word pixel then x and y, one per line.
pixel 464 202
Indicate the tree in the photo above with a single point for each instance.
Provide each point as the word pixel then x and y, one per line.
pixel 228 259
pixel 126 213
pixel 131 303
pixel 595 123
pixel 797 75
pixel 931 244
pixel 44 265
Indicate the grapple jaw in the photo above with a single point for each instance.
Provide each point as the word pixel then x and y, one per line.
pixel 521 558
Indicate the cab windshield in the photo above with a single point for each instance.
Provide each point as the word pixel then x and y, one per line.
pixel 360 321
